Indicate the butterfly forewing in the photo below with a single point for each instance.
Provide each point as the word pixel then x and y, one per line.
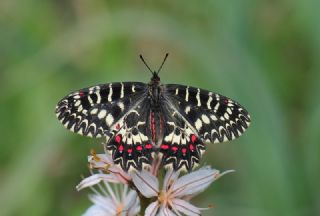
pixel 213 117
pixel 95 111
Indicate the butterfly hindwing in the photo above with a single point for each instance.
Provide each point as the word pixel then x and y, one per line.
pixel 181 148
pixel 213 117
pixel 130 145
pixel 95 111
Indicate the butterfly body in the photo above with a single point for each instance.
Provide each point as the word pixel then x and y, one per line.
pixel 141 122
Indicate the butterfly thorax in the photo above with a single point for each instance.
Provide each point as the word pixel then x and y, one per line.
pixel 155 92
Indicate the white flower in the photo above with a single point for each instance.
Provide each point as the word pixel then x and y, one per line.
pixel 104 162
pixel 111 201
pixel 174 196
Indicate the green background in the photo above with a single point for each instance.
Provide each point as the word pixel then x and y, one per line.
pixel 264 54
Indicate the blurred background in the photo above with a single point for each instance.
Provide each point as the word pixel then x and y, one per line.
pixel 264 54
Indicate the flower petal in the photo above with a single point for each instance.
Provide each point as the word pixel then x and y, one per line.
pixel 152 209
pixel 104 162
pixel 95 211
pixel 147 184
pixel 195 182
pixel 95 179
pixel 100 159
pixel 131 203
pixel 104 203
pixel 170 177
pixel 135 209
pixel 124 177
pixel 165 211
pixel 185 207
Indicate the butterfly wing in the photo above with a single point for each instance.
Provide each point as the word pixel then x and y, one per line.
pixel 131 146
pixel 98 110
pixel 212 117
pixel 181 148
pixel 193 117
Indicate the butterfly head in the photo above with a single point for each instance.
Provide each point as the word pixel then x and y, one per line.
pixel 155 77
pixel 155 74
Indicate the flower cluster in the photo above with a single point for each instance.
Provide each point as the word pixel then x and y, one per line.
pixel 119 193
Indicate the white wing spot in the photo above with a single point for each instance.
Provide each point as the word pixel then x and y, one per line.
pixel 177 91
pixel 198 98
pixel 98 97
pixel 90 100
pixel 77 103
pixel 102 114
pixel 80 131
pixel 187 110
pixel 110 92
pixel 213 117
pixel 72 128
pixel 216 107
pixel 169 137
pixel 209 101
pixel 121 106
pixel 122 91
pixel 109 119
pixel 187 94
pixel 94 111
pixel 80 108
pixel 225 139
pixel 226 115
pixel 198 124
pixel 66 124
pixel 229 111
pixel 205 119
pixel 136 139
pixel 133 88
pixel 176 139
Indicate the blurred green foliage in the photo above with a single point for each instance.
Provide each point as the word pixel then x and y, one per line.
pixel 264 54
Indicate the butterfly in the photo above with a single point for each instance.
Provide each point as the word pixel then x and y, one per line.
pixel 142 122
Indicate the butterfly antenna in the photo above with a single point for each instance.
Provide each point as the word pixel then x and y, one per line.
pixel 144 62
pixel 165 58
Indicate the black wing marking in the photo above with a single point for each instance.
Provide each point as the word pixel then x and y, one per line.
pixel 95 111
pixel 213 117
pixel 130 144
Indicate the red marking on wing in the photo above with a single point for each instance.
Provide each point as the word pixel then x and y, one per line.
pixel 118 139
pixel 164 147
pixel 81 94
pixel 139 148
pixel 184 150
pixel 174 148
pixel 193 138
pixel 121 148
pixel 148 146
pixel 117 126
pixel 130 150
pixel 225 101
pixel 191 147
